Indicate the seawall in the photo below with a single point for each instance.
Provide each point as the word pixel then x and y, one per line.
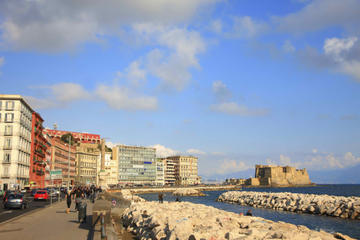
pixel 185 220
pixel 336 206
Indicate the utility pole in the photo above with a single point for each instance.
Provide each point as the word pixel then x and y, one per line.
pixel 68 183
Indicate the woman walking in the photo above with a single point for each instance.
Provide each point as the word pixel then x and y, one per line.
pixel 68 201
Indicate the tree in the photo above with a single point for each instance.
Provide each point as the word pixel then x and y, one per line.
pixel 65 138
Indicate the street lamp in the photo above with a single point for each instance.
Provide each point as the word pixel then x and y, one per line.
pixel 68 183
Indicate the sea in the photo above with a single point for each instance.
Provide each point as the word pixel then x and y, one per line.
pixel 315 222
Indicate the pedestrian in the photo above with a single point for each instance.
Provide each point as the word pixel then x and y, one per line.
pixel 68 201
pixel 161 198
pixel 249 213
pixel 177 199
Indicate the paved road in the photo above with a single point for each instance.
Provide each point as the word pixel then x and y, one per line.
pixel 6 214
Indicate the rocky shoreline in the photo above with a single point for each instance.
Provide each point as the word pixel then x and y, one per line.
pixel 185 220
pixel 336 206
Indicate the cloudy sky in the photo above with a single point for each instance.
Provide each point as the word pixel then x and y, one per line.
pixel 234 82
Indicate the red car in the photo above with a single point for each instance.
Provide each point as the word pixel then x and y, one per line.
pixel 41 195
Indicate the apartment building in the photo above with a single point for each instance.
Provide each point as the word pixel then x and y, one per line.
pixel 169 171
pixel 111 169
pixel 186 170
pixel 15 141
pixel 136 165
pixel 38 149
pixel 87 155
pixel 60 160
pixel 160 172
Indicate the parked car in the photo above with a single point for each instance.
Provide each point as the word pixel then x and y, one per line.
pixel 41 195
pixel 33 191
pixel 53 192
pixel 15 201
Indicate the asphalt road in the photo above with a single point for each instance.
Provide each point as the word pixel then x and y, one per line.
pixel 6 214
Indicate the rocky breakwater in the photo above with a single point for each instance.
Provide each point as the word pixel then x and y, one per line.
pixel 187 192
pixel 185 220
pixel 336 206
pixel 128 195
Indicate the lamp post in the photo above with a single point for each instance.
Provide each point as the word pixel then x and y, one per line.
pixel 68 183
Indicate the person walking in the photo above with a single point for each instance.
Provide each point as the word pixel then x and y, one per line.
pixel 161 198
pixel 68 201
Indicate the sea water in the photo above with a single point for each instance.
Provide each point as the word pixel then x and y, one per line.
pixel 316 222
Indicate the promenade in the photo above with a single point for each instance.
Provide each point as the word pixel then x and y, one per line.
pixel 51 223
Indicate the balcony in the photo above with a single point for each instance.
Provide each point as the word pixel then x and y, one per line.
pixel 6 162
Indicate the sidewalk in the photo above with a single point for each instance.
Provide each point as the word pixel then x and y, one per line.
pixel 51 223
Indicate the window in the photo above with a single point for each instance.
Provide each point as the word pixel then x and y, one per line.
pixel 7 143
pixel 9 117
pixel 6 171
pixel 9 105
pixel 7 157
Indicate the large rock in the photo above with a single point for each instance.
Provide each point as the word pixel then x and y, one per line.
pixel 337 206
pixel 183 221
pixel 187 192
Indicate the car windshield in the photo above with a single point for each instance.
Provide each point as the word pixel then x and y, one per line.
pixel 13 196
pixel 40 192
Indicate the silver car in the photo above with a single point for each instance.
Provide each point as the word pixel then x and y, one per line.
pixel 16 201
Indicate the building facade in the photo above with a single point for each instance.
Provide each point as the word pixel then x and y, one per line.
pixel 160 173
pixel 87 155
pixel 186 170
pixel 15 141
pixel 111 169
pixel 79 137
pixel 169 171
pixel 60 160
pixel 136 165
pixel 281 175
pixel 38 149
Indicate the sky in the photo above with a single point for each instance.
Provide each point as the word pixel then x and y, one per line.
pixel 233 82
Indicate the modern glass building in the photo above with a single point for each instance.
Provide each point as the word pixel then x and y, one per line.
pixel 137 165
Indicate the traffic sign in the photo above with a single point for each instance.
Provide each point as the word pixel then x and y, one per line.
pixel 56 174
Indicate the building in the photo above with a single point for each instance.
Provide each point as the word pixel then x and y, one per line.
pixel 63 158
pixel 79 137
pixel 160 172
pixel 268 175
pixel 235 181
pixel 186 170
pixel 169 171
pixel 87 155
pixel 38 150
pixel 136 165
pixel 111 169
pixel 15 141
pixel 48 181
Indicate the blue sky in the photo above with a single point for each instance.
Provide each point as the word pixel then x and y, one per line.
pixel 236 83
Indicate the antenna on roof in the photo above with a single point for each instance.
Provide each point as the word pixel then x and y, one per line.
pixel 55 126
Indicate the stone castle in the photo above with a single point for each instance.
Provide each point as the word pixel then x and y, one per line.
pixel 268 175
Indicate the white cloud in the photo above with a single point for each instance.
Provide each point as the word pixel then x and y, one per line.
pixel 2 61
pixel 135 75
pixel 285 160
pixel 288 47
pixel 59 95
pixel 221 91
pixel 123 98
pixel 193 151
pixel 246 27
pixel 233 108
pixel 182 47
pixel 111 144
pixel 314 151
pixel 341 51
pixel 231 166
pixel 320 14
pixel 162 151
pixel 216 26
pixel 337 47
pixel 53 26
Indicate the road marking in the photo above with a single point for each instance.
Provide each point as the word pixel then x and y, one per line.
pixel 5 212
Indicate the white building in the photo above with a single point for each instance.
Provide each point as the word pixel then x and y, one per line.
pixel 111 169
pixel 15 139
pixel 169 172
pixel 160 173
